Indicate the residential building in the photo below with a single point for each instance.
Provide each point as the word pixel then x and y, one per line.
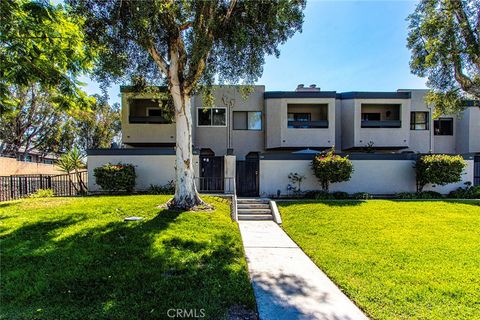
pixel 297 124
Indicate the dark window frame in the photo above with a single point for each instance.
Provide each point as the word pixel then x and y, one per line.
pixel 246 120
pixel 211 117
pixel 375 113
pixel 438 129
pixel 413 121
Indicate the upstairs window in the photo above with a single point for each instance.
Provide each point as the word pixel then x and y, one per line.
pixel 419 121
pixel 212 117
pixel 370 116
pixel 443 127
pixel 247 120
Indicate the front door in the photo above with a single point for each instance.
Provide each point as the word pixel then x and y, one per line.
pixel 247 178
pixel 211 174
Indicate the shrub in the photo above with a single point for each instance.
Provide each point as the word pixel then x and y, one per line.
pixel 362 196
pixel 115 177
pixel 331 168
pixel 42 193
pixel 168 188
pixel 419 195
pixel 318 195
pixel 438 169
pixel 469 192
pixel 340 195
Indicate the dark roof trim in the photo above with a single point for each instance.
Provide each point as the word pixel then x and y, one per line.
pixel 131 152
pixel 373 95
pixel 351 156
pixel 299 94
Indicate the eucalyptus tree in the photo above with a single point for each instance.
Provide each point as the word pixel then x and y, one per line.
pixel 187 45
pixel 444 39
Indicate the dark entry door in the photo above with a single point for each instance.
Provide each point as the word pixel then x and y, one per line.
pixel 476 171
pixel 247 178
pixel 211 174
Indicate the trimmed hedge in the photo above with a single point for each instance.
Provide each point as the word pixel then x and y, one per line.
pixel 115 177
pixel 331 168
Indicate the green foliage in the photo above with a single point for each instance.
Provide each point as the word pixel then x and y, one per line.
pixel 115 177
pixel 331 168
pixel 468 192
pixel 167 189
pixel 82 261
pixel 71 161
pixel 42 44
pixel 362 196
pixel 42 193
pixel 395 259
pixel 340 195
pixel 419 195
pixel 444 43
pixel 438 169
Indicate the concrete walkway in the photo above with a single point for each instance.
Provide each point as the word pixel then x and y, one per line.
pixel 287 284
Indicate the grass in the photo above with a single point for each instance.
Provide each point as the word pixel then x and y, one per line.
pixel 75 258
pixel 395 259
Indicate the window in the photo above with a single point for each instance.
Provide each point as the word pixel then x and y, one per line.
pixel 419 121
pixel 304 117
pixel 443 127
pixel 154 112
pixel 370 116
pixel 247 120
pixel 212 117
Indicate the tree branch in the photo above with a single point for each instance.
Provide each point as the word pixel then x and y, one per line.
pixel 162 64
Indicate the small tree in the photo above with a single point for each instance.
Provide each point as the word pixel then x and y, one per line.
pixel 72 162
pixel 331 168
pixel 438 169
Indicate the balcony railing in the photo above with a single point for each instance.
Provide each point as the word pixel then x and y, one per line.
pixel 381 124
pixel 308 124
pixel 151 119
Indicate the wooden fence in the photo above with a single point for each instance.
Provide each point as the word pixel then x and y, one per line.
pixel 63 185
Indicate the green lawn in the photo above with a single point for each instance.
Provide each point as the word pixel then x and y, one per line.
pixel 75 258
pixel 396 260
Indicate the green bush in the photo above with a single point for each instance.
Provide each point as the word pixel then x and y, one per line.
pixel 42 193
pixel 362 196
pixel 168 189
pixel 318 195
pixel 340 195
pixel 331 168
pixel 469 192
pixel 115 177
pixel 438 169
pixel 419 195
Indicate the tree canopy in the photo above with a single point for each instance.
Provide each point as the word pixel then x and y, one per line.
pixel 444 38
pixel 42 44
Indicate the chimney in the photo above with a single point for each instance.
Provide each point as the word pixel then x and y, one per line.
pixel 300 87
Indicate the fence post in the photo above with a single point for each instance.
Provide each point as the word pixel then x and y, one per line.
pixel 11 188
pixel 41 181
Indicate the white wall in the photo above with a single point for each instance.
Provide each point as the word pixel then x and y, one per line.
pixel 372 176
pixel 150 169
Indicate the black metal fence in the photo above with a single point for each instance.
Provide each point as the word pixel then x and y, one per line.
pixel 63 185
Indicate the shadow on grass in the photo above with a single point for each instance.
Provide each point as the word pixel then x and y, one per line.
pixel 121 270
pixel 332 203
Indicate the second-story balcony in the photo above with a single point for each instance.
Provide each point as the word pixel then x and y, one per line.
pixel 148 119
pixel 308 124
pixel 307 116
pixel 381 124
pixel 381 116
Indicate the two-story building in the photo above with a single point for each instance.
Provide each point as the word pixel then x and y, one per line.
pixel 233 137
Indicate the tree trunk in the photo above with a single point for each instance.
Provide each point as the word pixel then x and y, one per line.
pixel 186 195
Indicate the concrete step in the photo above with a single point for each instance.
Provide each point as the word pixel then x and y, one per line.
pixel 253 206
pixel 254 211
pixel 255 217
pixel 252 200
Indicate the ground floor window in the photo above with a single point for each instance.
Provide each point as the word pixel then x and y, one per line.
pixel 419 121
pixel 443 127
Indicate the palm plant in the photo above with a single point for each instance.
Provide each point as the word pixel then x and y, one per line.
pixel 71 163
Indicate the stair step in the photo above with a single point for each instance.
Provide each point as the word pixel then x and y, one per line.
pixel 254 211
pixel 255 217
pixel 252 200
pixel 253 206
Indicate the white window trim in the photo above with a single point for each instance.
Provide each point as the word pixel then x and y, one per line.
pixel 212 126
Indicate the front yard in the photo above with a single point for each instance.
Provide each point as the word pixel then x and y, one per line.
pixel 75 258
pixel 395 259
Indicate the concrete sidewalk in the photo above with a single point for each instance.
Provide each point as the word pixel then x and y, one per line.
pixel 287 284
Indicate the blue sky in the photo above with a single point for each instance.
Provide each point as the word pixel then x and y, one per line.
pixel 344 46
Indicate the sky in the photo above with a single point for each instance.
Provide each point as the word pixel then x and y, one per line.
pixel 344 46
